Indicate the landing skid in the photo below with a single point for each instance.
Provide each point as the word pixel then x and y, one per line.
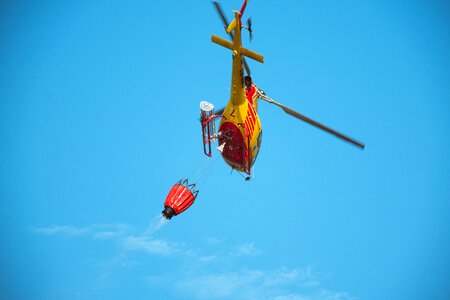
pixel 246 178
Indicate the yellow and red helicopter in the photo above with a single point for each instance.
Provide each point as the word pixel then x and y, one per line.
pixel 240 132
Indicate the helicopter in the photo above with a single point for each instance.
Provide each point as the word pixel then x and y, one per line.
pixel 239 133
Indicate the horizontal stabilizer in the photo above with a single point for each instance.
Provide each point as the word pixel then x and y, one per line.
pixel 253 55
pixel 229 45
pixel 222 42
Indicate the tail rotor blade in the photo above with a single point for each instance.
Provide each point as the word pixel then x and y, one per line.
pixel 249 27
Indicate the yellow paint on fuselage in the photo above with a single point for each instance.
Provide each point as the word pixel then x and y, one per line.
pixel 239 111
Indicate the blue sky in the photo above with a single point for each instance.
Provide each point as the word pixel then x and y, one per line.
pixel 99 117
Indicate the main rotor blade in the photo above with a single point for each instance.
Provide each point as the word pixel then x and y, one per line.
pixel 225 24
pixel 222 15
pixel 314 123
pixel 246 67
pixel 219 111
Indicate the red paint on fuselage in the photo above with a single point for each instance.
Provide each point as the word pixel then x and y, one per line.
pixel 234 150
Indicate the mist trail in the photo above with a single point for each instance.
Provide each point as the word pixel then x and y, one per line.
pixel 157 223
pixel 122 260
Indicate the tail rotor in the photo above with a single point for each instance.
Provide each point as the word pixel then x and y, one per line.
pixel 249 28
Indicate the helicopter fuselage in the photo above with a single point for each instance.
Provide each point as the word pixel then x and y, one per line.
pixel 240 133
pixel 240 130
